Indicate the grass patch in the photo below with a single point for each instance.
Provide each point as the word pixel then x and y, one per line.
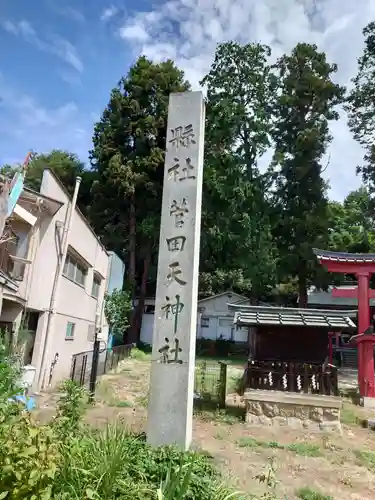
pixel 124 404
pixel 349 417
pixel 117 464
pixel 235 383
pixel 366 458
pixel 67 460
pixel 249 442
pixel 139 355
pixel 209 412
pixel 142 400
pixel 309 494
pixel 304 449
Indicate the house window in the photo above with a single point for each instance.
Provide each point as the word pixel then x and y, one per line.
pixel 205 322
pixel 95 286
pixel 150 309
pixel 74 270
pixel 69 334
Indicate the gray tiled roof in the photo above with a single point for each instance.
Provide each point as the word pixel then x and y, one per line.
pixel 343 256
pixel 260 315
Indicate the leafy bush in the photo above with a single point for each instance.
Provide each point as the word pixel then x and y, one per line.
pixel 114 463
pixel 223 346
pixel 138 354
pixel 117 309
pixel 29 458
pixel 70 409
pixel 67 461
pixel 10 372
pixel 143 346
pixel 176 484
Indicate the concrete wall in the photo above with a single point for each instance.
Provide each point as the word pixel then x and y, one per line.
pixel 74 302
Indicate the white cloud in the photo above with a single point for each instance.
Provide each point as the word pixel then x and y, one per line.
pixel 108 13
pixel 188 31
pixel 134 32
pixel 53 44
pixel 26 124
pixel 73 14
pixel 22 28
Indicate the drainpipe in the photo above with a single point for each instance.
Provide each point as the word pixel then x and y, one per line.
pixel 51 313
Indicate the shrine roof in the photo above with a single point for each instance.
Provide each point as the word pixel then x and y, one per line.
pixel 261 315
pixel 344 256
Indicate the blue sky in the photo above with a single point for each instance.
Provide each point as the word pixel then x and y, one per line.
pixel 57 67
pixel 59 60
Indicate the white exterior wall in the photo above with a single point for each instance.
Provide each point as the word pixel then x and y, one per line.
pixel 316 298
pixel 215 310
pixel 74 303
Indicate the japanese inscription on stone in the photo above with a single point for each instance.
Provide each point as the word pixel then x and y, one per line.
pixel 170 409
pixel 181 170
pixel 178 210
pixel 181 173
pixel 176 244
pixel 182 136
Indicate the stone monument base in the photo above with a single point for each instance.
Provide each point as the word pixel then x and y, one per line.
pixel 309 412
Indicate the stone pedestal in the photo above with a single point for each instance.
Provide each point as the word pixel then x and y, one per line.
pixel 368 403
pixel 299 411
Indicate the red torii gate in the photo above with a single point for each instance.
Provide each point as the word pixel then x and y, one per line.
pixel 362 266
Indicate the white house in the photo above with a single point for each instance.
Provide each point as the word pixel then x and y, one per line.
pixel 61 309
pixel 215 319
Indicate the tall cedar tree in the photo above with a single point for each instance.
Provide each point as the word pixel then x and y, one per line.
pixel 128 157
pixel 361 107
pixel 305 104
pixel 237 248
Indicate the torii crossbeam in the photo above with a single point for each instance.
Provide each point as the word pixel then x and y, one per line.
pixel 362 266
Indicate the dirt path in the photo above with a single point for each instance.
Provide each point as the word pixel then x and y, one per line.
pixel 340 466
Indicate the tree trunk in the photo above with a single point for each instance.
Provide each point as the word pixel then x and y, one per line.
pixel 302 292
pixel 137 315
pixel 132 244
pixel 130 334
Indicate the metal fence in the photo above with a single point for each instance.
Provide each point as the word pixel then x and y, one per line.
pixel 82 363
pixel 210 382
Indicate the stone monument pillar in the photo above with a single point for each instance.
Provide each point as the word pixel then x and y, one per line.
pixel 170 407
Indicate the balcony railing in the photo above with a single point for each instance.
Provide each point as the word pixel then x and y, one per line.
pixel 291 377
pixel 10 263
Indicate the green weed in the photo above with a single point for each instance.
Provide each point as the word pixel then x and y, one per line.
pixel 305 449
pixel 309 494
pixel 366 458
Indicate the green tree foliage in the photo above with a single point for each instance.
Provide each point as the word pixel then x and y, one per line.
pixel 66 166
pixel 237 249
pixel 361 107
pixel 352 227
pixel 117 307
pixel 128 158
pixel 306 103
